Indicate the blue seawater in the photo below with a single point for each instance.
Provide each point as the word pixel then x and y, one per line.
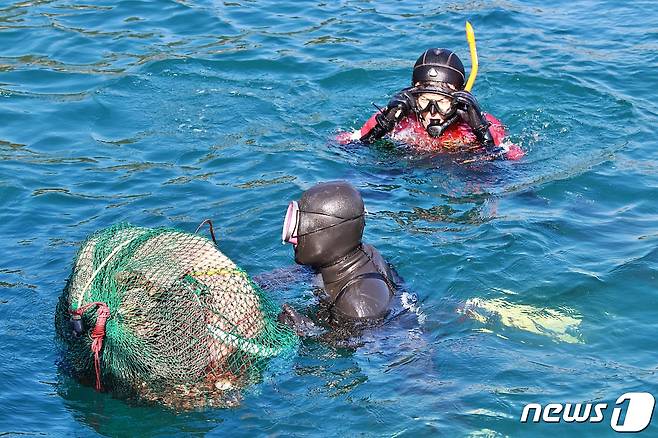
pixel 537 279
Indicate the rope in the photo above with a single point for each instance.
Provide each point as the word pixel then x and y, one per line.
pixel 101 266
pixel 244 344
pixel 97 334
pixel 212 229
pixel 213 272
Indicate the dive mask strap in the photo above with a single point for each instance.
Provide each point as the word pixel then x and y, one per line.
pixel 290 231
pixel 344 220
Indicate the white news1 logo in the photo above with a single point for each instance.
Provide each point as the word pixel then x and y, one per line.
pixel 638 412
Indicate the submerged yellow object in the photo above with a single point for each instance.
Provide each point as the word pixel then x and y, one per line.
pixel 561 325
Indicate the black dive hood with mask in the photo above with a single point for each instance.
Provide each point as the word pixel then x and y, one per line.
pixel 433 70
pixel 330 224
pixel 327 236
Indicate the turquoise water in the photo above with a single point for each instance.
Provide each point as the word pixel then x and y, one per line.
pixel 537 279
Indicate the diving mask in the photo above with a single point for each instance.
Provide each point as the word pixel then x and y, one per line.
pixel 435 101
pixel 289 232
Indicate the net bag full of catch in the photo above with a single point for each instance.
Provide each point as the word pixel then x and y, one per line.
pixel 159 315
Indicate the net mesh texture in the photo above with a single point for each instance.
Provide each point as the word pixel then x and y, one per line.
pixel 187 328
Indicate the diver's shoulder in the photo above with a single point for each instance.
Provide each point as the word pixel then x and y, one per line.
pixel 366 297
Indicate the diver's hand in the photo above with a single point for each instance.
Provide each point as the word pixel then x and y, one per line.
pixel 300 324
pixel 469 110
pixel 400 106
pixel 397 108
pixel 464 100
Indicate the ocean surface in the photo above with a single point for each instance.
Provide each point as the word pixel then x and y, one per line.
pixel 536 279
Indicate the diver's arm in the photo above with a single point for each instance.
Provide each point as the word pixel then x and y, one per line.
pixel 302 325
pixel 471 113
pixel 384 121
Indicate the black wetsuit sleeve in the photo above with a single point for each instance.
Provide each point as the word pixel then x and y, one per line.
pixel 471 113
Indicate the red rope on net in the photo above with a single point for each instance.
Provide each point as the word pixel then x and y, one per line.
pixel 97 334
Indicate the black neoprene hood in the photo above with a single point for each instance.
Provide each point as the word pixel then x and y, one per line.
pixel 331 222
pixel 439 65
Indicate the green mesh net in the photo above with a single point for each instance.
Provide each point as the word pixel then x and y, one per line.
pixel 186 326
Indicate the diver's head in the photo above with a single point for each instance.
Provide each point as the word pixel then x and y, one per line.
pixel 437 74
pixel 439 66
pixel 434 106
pixel 326 224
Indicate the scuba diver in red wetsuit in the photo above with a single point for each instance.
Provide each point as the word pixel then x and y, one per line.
pixel 438 113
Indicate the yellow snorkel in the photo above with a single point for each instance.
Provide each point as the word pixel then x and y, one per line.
pixel 470 37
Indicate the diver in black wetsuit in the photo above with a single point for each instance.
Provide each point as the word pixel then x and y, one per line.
pixel 326 228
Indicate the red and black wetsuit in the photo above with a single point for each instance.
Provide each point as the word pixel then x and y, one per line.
pixel 411 131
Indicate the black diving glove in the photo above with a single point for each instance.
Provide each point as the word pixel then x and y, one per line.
pixel 470 112
pixel 302 325
pixel 399 107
